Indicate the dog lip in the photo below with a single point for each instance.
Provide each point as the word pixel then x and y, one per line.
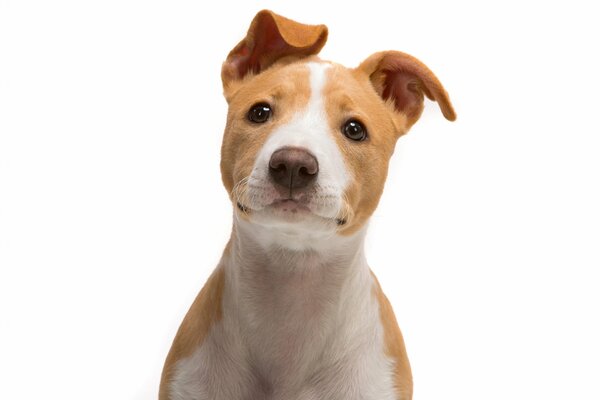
pixel 285 204
pixel 286 200
pixel 289 204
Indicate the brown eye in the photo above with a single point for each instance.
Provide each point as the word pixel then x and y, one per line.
pixel 354 130
pixel 259 113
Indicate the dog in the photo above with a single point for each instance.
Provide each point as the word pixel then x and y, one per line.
pixel 292 311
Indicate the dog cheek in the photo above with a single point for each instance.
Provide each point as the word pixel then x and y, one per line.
pixel 375 176
pixel 374 189
pixel 243 164
pixel 233 144
pixel 369 171
pixel 226 173
pixel 241 147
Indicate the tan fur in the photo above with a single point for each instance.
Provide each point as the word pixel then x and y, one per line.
pixel 202 315
pixel 394 344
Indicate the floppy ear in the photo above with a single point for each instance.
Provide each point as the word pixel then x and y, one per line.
pixel 270 38
pixel 405 80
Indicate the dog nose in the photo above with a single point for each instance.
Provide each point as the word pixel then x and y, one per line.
pixel 293 167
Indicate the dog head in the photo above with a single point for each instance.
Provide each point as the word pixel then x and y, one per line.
pixel 307 142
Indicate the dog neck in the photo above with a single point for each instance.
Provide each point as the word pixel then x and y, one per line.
pixel 288 304
pixel 292 252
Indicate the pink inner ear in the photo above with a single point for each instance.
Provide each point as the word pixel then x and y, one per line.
pixel 406 90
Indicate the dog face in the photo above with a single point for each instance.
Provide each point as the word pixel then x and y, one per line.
pixel 307 142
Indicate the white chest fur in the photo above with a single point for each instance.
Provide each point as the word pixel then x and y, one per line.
pixel 295 326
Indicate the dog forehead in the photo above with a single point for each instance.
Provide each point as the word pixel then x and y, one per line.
pixel 295 82
pixel 287 83
pixel 308 124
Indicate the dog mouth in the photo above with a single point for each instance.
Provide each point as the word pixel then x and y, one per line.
pixel 290 208
pixel 281 206
pixel 319 205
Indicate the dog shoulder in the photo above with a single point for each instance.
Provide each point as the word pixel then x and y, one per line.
pixel 205 312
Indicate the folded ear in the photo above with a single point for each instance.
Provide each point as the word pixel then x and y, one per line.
pixel 406 80
pixel 270 38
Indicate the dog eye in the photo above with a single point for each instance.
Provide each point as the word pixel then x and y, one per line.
pixel 259 113
pixel 354 130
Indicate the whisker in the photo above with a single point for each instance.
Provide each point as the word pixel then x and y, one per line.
pixel 345 212
pixel 239 192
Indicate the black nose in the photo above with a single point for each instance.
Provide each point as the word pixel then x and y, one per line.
pixel 293 167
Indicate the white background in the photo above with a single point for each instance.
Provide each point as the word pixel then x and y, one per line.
pixel 112 212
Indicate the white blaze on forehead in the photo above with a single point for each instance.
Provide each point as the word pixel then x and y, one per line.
pixel 309 128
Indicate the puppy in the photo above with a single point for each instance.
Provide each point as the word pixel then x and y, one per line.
pixel 292 311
